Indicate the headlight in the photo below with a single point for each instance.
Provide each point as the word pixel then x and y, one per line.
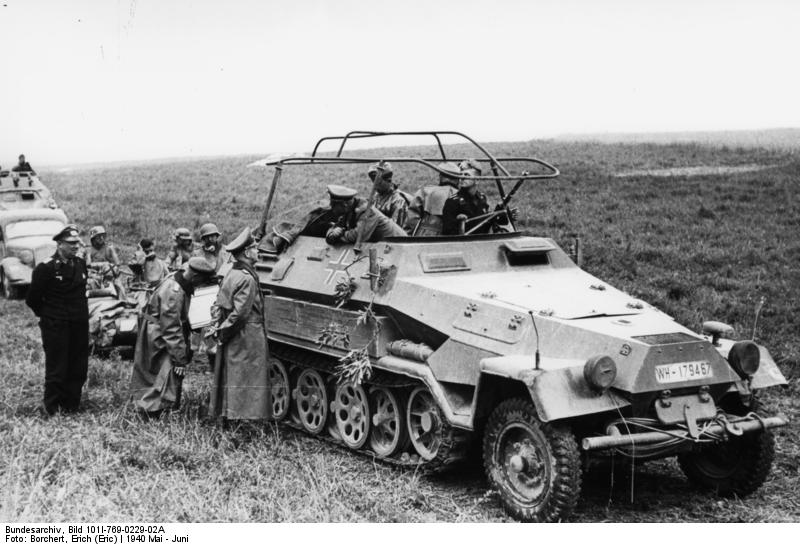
pixel 745 357
pixel 26 256
pixel 600 372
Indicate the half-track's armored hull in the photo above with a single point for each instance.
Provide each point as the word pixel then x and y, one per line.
pixel 505 340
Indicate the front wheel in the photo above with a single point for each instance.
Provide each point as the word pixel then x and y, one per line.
pixel 9 291
pixel 534 466
pixel 736 467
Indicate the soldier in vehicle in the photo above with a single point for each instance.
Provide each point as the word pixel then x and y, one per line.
pixel 23 166
pixel 162 347
pixel 147 267
pixel 388 199
pixel 101 254
pixel 57 295
pixel 181 250
pixel 469 203
pixel 241 389
pixel 425 209
pixel 357 220
pixel 211 246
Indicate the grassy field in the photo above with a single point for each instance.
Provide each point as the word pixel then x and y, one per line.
pixel 699 246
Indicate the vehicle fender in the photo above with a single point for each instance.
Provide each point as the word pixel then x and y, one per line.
pixel 768 373
pixel 15 270
pixel 557 389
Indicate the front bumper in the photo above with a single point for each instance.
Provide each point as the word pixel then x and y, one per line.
pixel 719 430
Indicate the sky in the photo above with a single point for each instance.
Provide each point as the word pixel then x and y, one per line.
pixel 107 80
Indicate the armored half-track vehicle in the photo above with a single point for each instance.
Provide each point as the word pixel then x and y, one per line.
pixel 412 347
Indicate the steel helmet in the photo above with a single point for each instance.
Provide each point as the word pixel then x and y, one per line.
pixel 182 233
pixel 209 229
pixel 386 167
pixel 96 230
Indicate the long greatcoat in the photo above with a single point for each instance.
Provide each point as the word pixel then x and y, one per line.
pixel 241 388
pixel 162 343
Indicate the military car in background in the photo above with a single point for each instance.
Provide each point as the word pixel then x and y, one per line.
pixel 26 239
pixel 22 190
pixel 409 349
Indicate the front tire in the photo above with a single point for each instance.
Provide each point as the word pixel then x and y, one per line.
pixel 9 291
pixel 736 467
pixel 534 466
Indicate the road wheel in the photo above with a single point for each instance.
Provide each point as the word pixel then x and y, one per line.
pixel 279 384
pixel 388 433
pixel 351 411
pixel 9 291
pixel 311 401
pixel 534 466
pixel 736 467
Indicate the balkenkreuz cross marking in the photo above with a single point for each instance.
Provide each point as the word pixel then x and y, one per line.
pixel 338 266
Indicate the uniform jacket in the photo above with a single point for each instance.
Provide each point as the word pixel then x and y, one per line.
pixel 241 374
pixel 151 271
pixel 366 224
pixel 162 344
pixel 425 210
pixel 215 259
pixel 470 206
pixel 177 256
pixel 58 289
pixel 107 253
pixel 393 205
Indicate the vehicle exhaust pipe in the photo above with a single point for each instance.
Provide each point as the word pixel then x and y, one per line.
pixel 650 437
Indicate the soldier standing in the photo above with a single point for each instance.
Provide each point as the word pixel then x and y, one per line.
pixel 241 388
pixel 147 267
pixel 388 199
pixel 162 346
pixel 57 295
pixel 211 246
pixel 425 210
pixel 181 250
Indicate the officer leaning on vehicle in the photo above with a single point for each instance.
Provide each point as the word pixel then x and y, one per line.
pixel 57 295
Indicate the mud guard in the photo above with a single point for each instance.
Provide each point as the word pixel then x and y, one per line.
pixel 558 389
pixel 16 271
pixel 768 373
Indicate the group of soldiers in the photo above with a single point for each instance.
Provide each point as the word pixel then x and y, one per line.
pixel 58 296
pixel 451 207
pixel 241 391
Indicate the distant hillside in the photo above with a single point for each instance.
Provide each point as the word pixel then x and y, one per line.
pixel 783 139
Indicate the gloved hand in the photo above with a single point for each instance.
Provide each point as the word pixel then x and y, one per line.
pixel 334 234
pixel 179 370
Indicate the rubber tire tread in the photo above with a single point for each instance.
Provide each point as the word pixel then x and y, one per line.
pixel 566 485
pixel 758 455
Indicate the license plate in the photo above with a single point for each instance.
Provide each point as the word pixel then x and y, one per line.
pixel 681 372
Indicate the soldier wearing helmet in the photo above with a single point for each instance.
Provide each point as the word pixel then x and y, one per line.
pixel 181 250
pixel 425 209
pixel 469 203
pixel 210 247
pixel 388 199
pixel 101 254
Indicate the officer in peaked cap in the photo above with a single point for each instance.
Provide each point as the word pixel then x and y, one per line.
pixel 241 389
pixel 162 347
pixel 57 295
pixel 357 220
